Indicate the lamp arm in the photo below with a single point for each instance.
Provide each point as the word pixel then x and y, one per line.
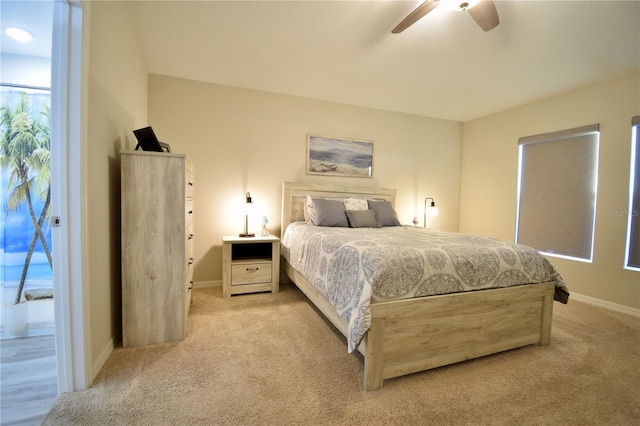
pixel 248 203
pixel 433 203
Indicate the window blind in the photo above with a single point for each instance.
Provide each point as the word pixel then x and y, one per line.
pixel 557 191
pixel 633 232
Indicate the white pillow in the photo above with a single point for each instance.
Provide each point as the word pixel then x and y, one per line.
pixel 309 214
pixel 355 204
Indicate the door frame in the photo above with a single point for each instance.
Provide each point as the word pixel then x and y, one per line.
pixel 69 61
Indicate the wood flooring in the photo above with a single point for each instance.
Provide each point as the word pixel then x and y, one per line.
pixel 28 375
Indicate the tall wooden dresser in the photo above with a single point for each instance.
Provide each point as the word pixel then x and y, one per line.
pixel 157 246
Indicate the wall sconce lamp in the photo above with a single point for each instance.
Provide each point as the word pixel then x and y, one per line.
pixel 431 211
pixel 247 207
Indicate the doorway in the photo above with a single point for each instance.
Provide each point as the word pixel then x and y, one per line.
pixel 29 373
pixel 66 59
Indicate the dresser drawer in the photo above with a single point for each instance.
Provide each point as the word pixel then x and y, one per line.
pixel 188 181
pixel 251 273
pixel 189 188
pixel 189 240
pixel 188 213
pixel 188 287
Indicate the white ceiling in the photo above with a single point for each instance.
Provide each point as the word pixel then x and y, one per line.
pixel 443 66
pixel 33 16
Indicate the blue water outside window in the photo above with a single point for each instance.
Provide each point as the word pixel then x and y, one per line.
pixel 17 228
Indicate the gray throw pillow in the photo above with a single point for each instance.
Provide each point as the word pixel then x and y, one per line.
pixel 363 219
pixel 330 212
pixel 385 212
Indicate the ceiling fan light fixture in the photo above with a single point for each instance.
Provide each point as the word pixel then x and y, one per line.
pixel 463 5
pixel 18 34
pixel 459 5
pixel 483 12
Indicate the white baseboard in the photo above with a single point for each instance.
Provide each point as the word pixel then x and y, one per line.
pixel 101 360
pixel 207 284
pixel 604 304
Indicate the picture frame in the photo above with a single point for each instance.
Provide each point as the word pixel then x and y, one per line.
pixel 329 156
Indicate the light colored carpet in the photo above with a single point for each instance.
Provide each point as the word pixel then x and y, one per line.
pixel 274 360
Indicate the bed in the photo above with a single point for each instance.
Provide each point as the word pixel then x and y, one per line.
pixel 415 332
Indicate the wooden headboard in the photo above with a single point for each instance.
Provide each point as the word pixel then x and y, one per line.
pixel 295 193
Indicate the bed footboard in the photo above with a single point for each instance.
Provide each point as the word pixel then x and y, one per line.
pixel 411 335
pixel 408 336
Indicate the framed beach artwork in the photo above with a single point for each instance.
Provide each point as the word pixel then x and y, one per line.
pixel 339 157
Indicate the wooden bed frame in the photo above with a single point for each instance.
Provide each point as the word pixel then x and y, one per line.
pixel 411 335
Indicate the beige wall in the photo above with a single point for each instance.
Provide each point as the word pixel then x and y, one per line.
pixel 117 93
pixel 489 178
pixel 245 140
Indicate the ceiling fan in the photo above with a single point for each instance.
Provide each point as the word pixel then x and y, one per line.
pixel 483 12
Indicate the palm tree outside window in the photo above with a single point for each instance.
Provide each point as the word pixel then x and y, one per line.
pixel 25 160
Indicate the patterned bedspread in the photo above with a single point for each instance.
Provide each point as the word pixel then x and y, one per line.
pixel 353 267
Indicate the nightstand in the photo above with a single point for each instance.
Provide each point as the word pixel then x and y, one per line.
pixel 250 264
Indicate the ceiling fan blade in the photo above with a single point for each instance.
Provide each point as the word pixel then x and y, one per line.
pixel 485 14
pixel 417 13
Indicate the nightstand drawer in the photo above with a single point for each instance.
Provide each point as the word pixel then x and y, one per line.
pixel 251 273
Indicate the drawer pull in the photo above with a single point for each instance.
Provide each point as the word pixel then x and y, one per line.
pixel 191 261
pixel 252 269
pixel 191 236
pixel 190 183
pixel 190 211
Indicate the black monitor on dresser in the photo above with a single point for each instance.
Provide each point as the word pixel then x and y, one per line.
pixel 147 140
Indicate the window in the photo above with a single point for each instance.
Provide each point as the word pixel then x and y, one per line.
pixel 557 181
pixel 632 252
